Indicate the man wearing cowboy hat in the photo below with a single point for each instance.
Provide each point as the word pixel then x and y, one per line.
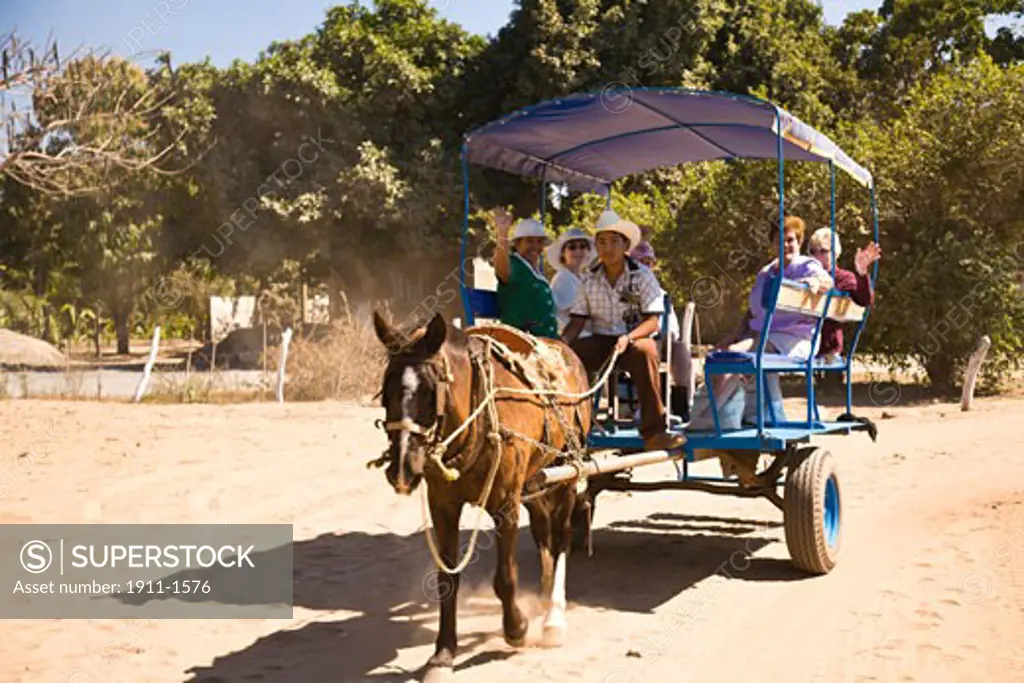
pixel 524 294
pixel 622 300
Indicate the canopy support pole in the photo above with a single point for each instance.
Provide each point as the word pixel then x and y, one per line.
pixel 874 218
pixel 463 287
pixel 812 404
pixel 774 283
pixel 864 320
pixel 832 217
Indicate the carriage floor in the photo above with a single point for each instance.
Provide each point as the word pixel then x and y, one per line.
pixel 774 438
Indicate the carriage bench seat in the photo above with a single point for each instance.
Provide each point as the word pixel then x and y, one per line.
pixel 794 297
pixel 745 362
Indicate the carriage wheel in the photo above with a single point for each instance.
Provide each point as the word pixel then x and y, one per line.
pixel 812 510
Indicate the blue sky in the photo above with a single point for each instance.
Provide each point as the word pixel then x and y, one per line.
pixel 228 29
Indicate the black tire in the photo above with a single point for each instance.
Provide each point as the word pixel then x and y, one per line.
pixel 812 510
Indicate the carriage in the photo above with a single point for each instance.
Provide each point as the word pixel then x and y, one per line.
pixel 585 142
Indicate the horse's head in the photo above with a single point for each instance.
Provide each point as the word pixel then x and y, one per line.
pixel 413 395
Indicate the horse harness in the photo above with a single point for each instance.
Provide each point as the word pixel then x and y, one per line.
pixel 434 434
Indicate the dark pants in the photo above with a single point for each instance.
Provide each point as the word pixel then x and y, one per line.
pixel 641 361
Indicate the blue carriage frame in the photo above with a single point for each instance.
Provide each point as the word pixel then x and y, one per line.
pixel 582 142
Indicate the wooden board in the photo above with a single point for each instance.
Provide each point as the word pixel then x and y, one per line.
pixel 797 298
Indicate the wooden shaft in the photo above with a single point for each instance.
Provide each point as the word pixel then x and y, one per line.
pixel 553 475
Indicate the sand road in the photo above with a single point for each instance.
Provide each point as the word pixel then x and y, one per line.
pixel 683 586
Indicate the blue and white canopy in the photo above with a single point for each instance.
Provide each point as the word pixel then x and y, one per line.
pixel 589 140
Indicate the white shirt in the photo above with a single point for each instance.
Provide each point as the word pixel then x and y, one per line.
pixel 615 310
pixel 566 288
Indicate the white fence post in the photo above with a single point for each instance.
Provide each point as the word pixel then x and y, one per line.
pixel 141 389
pixel 973 369
pixel 285 340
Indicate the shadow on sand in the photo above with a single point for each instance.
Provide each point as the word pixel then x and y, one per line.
pixel 386 579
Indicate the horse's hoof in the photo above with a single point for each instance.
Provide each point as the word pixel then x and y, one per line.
pixel 439 674
pixel 516 637
pixel 516 642
pixel 554 636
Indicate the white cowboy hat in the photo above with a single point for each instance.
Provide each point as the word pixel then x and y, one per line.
pixel 553 254
pixel 611 221
pixel 529 227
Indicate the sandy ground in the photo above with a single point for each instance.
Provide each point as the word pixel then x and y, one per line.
pixel 683 586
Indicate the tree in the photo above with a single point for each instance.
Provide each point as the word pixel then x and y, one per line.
pixel 70 129
pixel 908 41
pixel 950 173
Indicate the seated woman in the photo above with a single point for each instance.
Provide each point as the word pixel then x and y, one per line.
pixel 644 255
pixel 681 361
pixel 569 255
pixel 857 285
pixel 524 294
pixel 791 333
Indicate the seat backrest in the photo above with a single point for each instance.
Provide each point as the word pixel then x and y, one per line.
pixel 484 303
pixel 796 297
pixel 666 303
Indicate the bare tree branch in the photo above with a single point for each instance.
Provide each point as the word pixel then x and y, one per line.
pixel 67 128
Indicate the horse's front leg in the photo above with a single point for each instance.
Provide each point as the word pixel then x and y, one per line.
pixel 506 576
pixel 445 517
pixel 555 623
pixel 540 526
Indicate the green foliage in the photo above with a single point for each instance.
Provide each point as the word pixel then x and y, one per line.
pixel 950 174
pixel 915 91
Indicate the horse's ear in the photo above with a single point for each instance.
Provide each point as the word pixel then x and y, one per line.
pixel 433 338
pixel 385 333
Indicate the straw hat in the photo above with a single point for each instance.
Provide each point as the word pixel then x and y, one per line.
pixel 553 254
pixel 611 221
pixel 529 227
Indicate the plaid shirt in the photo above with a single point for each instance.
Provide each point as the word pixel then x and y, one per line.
pixel 616 309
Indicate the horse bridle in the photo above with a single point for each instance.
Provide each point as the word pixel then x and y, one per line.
pixel 468 452
pixel 442 389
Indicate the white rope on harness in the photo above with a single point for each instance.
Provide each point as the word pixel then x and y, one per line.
pixel 495 437
pixel 450 474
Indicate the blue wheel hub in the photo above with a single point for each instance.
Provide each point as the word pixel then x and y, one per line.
pixel 831 511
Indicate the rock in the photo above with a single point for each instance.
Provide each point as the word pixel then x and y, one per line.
pixel 19 351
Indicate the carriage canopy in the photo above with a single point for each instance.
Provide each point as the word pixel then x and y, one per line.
pixel 589 140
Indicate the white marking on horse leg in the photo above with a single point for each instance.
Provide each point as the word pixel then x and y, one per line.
pixel 555 623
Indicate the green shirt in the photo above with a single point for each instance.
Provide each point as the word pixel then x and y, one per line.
pixel 526 301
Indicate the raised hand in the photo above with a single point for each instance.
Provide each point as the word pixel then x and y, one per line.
pixel 866 256
pixel 502 220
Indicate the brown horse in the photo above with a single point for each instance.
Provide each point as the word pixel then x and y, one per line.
pixel 435 378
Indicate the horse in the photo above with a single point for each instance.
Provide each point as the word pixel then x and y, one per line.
pixel 440 434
